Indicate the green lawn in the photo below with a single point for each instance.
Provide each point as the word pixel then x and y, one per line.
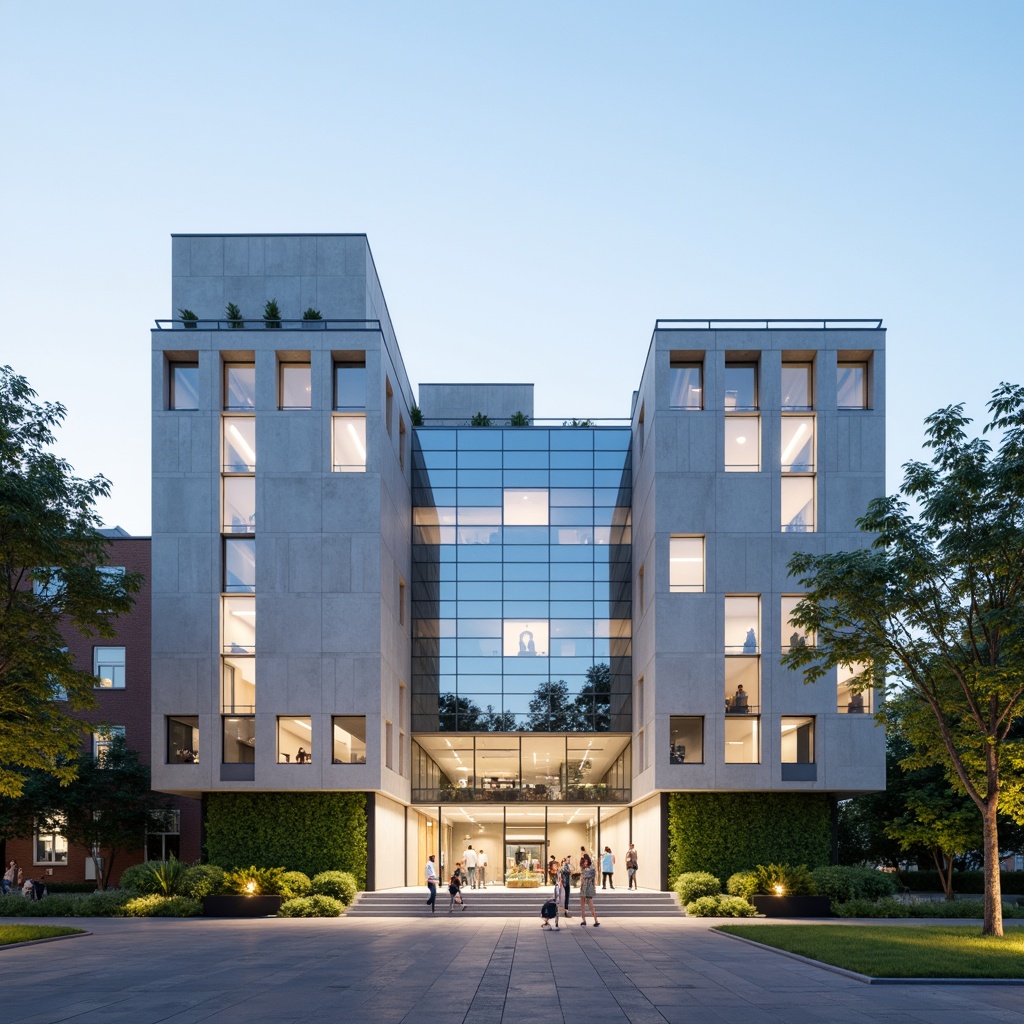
pixel 897 952
pixel 26 932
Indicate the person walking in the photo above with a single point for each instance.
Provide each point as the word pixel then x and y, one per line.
pixel 431 873
pixel 455 892
pixel 588 879
pixel 607 868
pixel 631 866
pixel 470 860
pixel 481 868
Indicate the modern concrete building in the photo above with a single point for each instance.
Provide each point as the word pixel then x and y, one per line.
pixel 515 637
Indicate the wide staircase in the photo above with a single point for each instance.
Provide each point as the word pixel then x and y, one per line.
pixel 497 901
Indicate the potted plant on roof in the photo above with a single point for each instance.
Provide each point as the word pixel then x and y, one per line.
pixel 234 316
pixel 310 318
pixel 188 318
pixel 271 314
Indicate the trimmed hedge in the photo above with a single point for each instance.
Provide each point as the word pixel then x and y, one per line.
pixel 720 906
pixel 339 885
pixel 98 904
pixel 963 881
pixel 693 885
pixel 842 884
pixel 723 833
pixel 889 907
pixel 163 906
pixel 311 906
pixel 307 832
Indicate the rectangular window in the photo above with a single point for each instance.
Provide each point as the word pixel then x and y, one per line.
pixel 797 394
pixel 742 685
pixel 686 565
pixel 389 756
pixel 238 622
pixel 238 685
pixel 239 504
pixel 853 697
pixel 793 635
pixel 798 444
pixel 349 739
pixel 742 740
pixel 641 751
pixel 797 743
pixel 686 739
pixel 852 385
pixel 401 601
pixel 349 444
pixel 239 444
pixel 401 442
pixel 742 444
pixel 49 847
pixel 798 504
pixel 685 385
pixel 239 565
pixel 183 393
pixel 102 740
pixel 163 836
pixel 743 625
pixel 294 740
pixel 239 739
pixel 526 507
pixel 183 739
pixel 108 667
pixel 740 387
pixel 350 383
pixel 389 404
pixel 295 386
pixel 239 387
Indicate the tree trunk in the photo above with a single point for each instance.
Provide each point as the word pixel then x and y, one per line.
pixel 101 882
pixel 993 883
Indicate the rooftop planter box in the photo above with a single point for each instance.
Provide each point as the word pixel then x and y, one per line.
pixel 793 906
pixel 241 906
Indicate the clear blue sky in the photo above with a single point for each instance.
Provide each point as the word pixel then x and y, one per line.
pixel 539 182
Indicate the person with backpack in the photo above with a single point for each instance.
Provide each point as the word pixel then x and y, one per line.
pixel 455 891
pixel 549 912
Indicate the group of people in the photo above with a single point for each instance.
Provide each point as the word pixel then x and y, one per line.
pixel 14 879
pixel 471 872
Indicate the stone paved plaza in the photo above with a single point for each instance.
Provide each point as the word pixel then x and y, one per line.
pixel 449 970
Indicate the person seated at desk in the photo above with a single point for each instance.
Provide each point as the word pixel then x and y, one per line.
pixel 856 705
pixel 738 705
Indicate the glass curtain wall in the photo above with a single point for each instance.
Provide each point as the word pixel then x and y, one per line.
pixel 521 580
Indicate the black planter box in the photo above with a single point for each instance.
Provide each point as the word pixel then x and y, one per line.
pixel 241 906
pixel 793 906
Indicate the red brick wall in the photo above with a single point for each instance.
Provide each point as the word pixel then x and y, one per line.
pixel 129 707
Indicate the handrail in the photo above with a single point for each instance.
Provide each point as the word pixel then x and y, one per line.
pixel 204 324
pixel 775 324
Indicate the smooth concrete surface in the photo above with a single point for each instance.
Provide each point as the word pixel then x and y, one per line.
pixel 449 969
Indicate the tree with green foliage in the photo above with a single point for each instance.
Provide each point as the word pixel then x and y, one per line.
pixel 457 714
pixel 937 603
pixel 550 708
pixel 51 561
pixel 106 809
pixel 592 709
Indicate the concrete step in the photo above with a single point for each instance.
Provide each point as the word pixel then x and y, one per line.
pixel 513 903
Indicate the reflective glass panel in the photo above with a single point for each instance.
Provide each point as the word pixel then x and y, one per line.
pixel 796 385
pixel 851 386
pixel 350 385
pixel 797 444
pixel 686 740
pixel 239 387
pixel 349 444
pixel 239 444
pixel 742 444
pixel 294 740
pixel 239 504
pixel 686 564
pixel 740 386
pixel 184 386
pixel 685 386
pixel 797 740
pixel 798 504
pixel 296 386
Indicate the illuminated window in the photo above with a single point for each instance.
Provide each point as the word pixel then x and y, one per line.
pixel 350 383
pixel 183 739
pixel 349 444
pixel 294 740
pixel 742 444
pixel 522 639
pixel 686 739
pixel 239 565
pixel 742 740
pixel 686 565
pixel 797 504
pixel 239 444
pixel 796 386
pixel 742 625
pixel 740 387
pixel 49 846
pixel 797 742
pixel 102 740
pixel 239 625
pixel 239 739
pixel 854 694
pixel 526 507
pixel 238 685
pixel 797 444
pixel 239 387
pixel 793 635
pixel 349 739
pixel 108 667
pixel 239 504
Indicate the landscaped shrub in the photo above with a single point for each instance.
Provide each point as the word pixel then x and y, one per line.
pixel 720 906
pixel 254 881
pixel 728 832
pixel 139 879
pixel 308 832
pixel 963 881
pixel 890 907
pixel 203 880
pixel 691 885
pixel 842 884
pixel 162 906
pixel 109 903
pixel 56 887
pixel 98 904
pixel 339 884
pixel 795 881
pixel 312 906
pixel 742 884
pixel 295 884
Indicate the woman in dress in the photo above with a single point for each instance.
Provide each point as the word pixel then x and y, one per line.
pixel 588 874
